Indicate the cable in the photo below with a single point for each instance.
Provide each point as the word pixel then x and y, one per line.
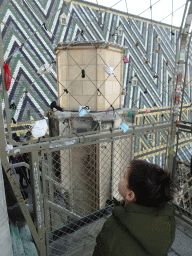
pixel 149 7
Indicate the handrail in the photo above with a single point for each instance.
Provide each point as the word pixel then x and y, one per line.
pixel 180 212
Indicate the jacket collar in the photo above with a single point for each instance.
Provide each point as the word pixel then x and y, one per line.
pixel 167 210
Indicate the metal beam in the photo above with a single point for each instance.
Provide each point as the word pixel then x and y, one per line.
pixel 82 140
pixel 61 209
pixel 37 200
pixel 182 130
pixel 19 164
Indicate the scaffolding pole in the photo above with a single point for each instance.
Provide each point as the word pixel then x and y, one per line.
pixel 180 66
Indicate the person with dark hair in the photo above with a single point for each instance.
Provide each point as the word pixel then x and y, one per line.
pixel 152 186
pixel 144 224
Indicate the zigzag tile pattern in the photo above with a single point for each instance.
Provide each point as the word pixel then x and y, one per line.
pixel 31 30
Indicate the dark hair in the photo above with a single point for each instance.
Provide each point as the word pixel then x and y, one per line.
pixel 153 187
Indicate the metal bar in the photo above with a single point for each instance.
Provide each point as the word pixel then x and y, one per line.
pixel 184 83
pixel 174 111
pixel 70 194
pixel 51 191
pixel 84 139
pixel 93 142
pixel 37 200
pixel 53 181
pixel 177 133
pixel 49 139
pixel 62 209
pixel 112 164
pixel 182 130
pixel 100 139
pixel 185 122
pixel 183 90
pixel 47 224
pixel 19 164
pixel 184 126
pixel 181 27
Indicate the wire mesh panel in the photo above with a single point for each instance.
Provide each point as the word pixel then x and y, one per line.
pixel 81 181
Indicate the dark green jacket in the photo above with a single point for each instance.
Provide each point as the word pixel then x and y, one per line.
pixel 135 230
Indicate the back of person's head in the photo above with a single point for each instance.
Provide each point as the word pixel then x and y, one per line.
pixel 153 187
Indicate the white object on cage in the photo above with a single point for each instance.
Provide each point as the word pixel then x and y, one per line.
pixel 109 70
pixel 39 129
pixel 8 148
pixel 120 31
pixel 134 81
pixel 158 39
pixel 63 19
pixel 45 68
pixel 17 151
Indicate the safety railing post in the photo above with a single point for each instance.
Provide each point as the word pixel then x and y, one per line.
pixel 46 208
pixel 37 200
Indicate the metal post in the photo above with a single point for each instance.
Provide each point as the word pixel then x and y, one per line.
pixel 51 190
pixel 47 224
pixel 179 62
pixel 172 130
pixel 37 200
pixel 184 85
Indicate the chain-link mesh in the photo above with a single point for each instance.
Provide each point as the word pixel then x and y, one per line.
pixel 81 181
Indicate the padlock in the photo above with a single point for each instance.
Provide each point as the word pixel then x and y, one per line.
pixel 125 60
